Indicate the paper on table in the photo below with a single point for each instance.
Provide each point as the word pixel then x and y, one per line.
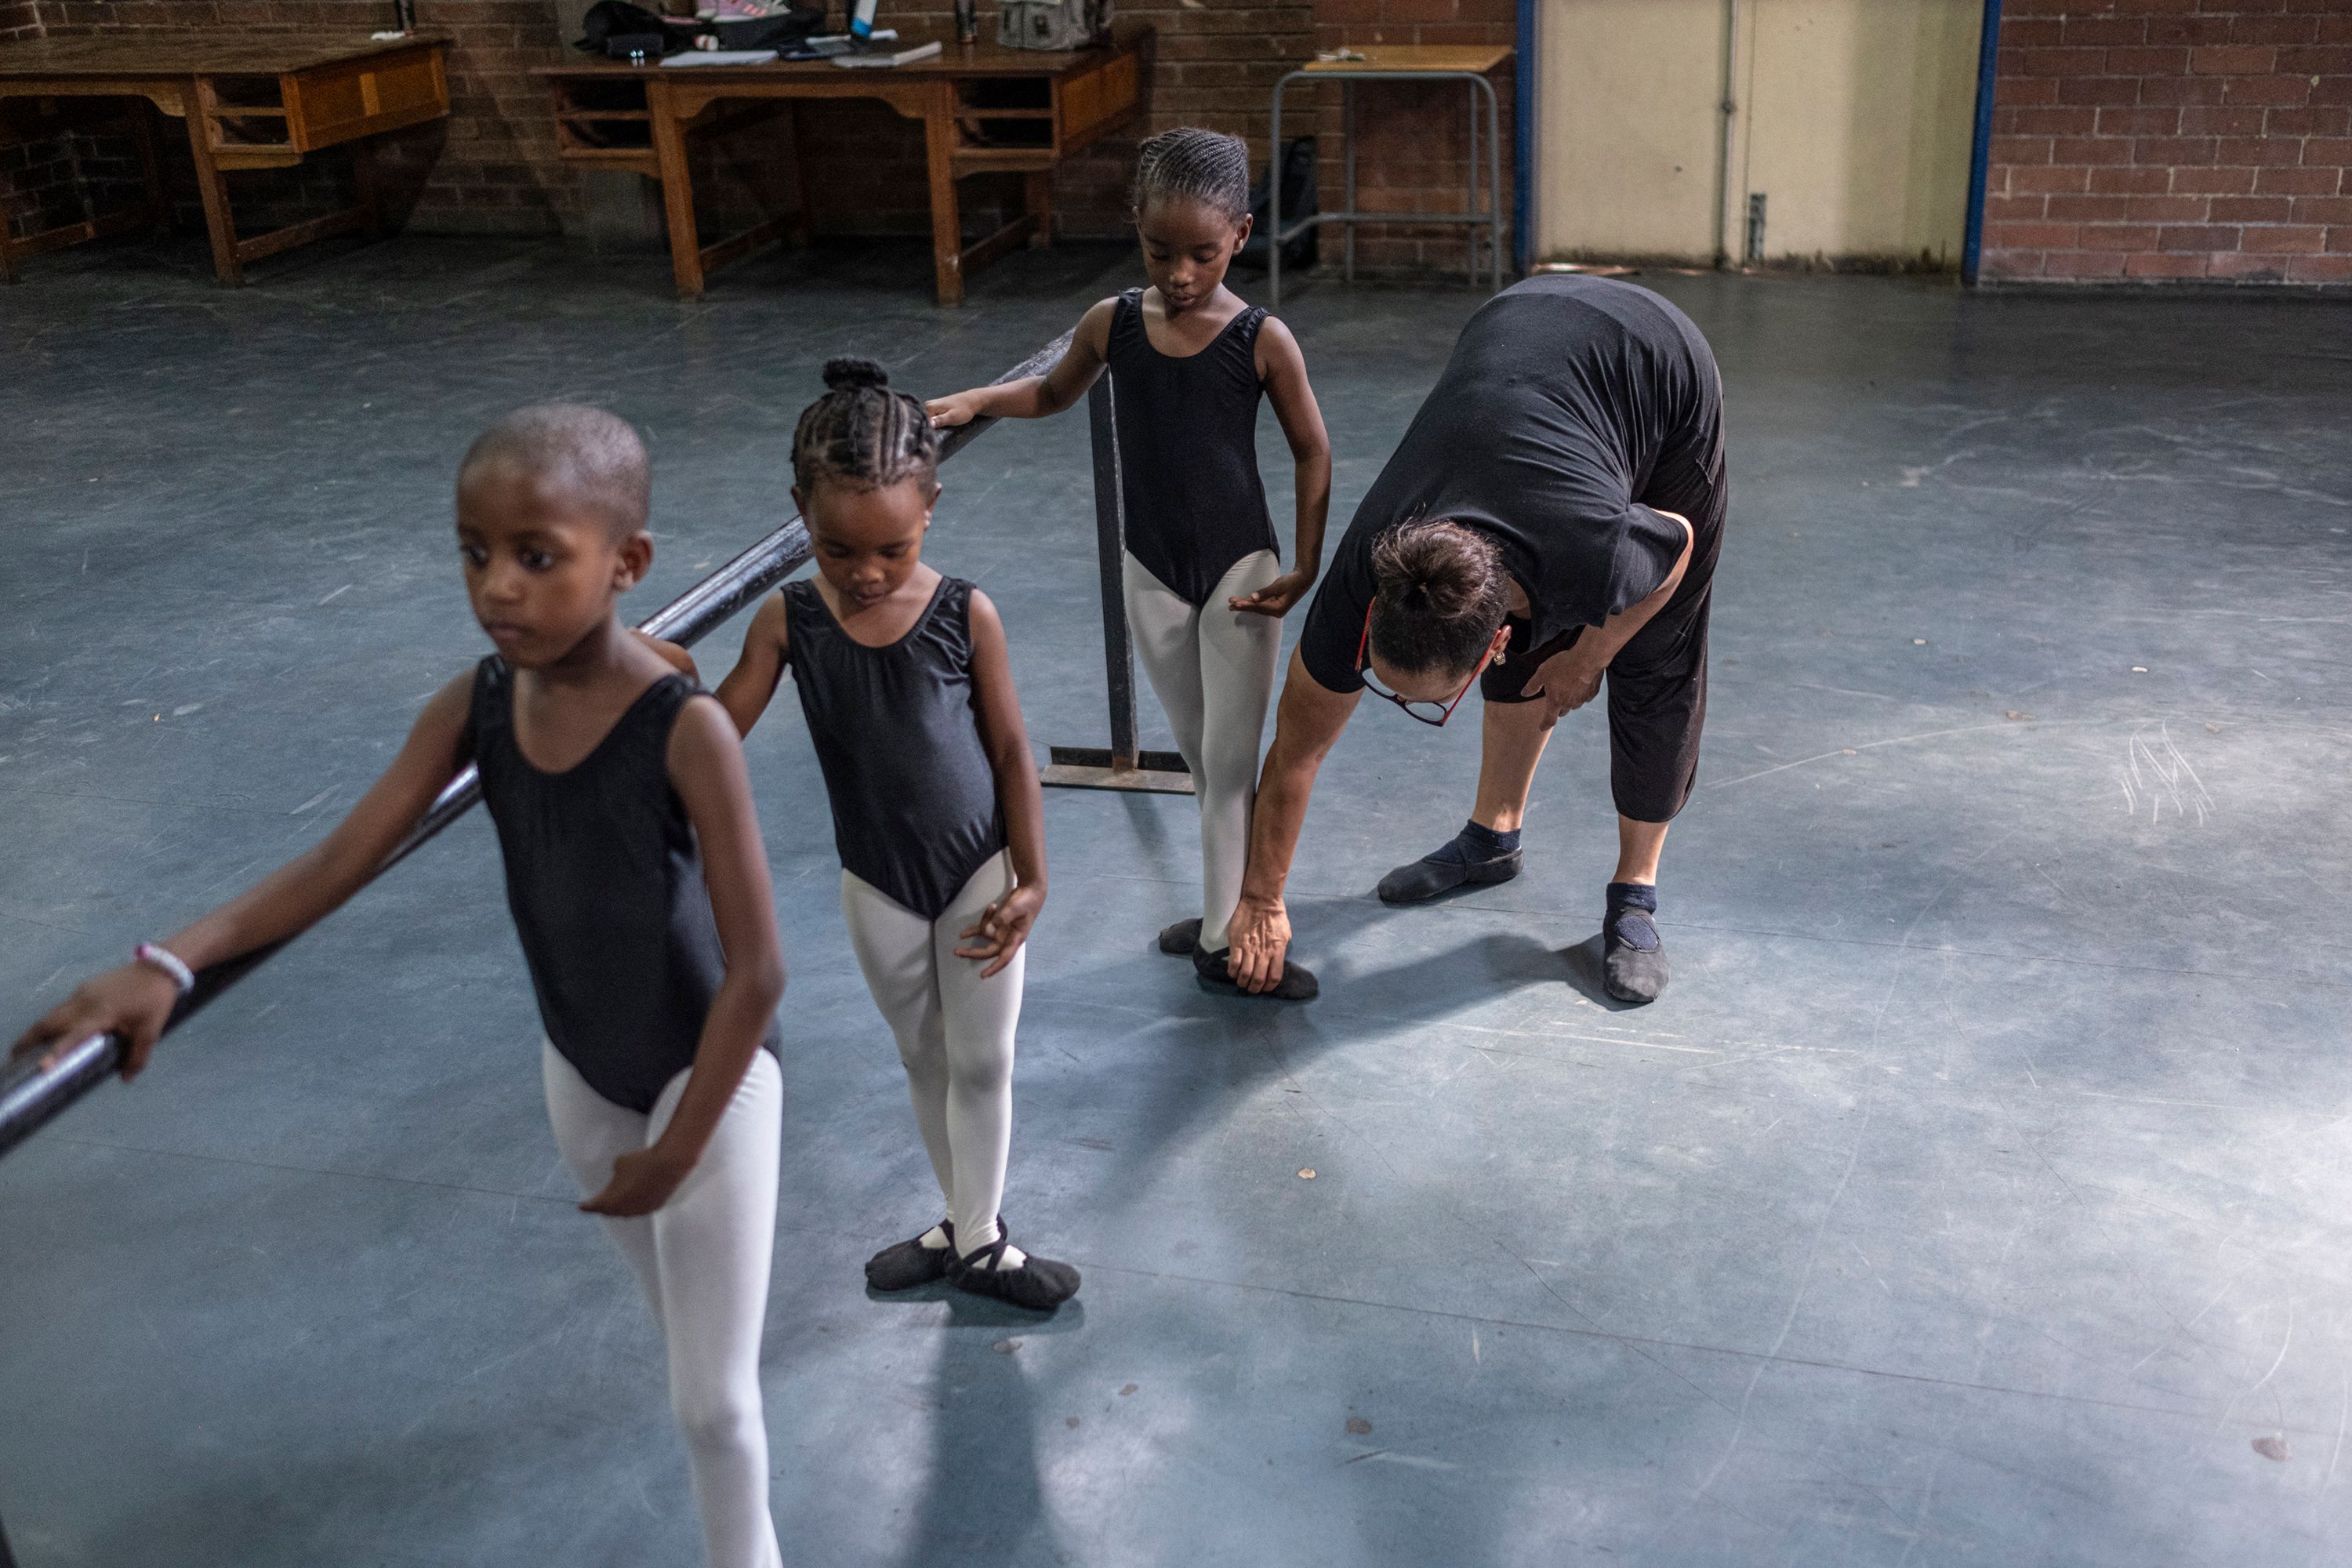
pixel 881 61
pixel 722 58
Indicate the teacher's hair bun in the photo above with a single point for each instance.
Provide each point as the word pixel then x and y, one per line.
pixel 850 374
pixel 1436 567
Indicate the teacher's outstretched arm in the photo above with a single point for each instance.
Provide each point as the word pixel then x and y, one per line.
pixel 1305 726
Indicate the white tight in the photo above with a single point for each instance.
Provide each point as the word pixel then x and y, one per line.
pixel 702 1258
pixel 954 1032
pixel 1212 670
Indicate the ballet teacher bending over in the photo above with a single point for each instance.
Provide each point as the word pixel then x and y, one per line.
pixel 1552 519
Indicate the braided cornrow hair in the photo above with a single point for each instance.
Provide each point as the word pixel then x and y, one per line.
pixel 1208 167
pixel 861 434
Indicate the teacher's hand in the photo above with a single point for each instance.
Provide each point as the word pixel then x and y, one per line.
pixel 1563 683
pixel 1256 940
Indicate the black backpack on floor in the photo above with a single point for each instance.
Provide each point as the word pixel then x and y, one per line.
pixel 1298 199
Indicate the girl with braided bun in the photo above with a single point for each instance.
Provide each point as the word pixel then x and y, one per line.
pixel 907 688
pixel 1203 579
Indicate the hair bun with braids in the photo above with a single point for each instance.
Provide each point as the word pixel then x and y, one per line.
pixel 850 374
pixel 861 433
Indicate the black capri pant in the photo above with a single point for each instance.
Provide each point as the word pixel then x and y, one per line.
pixel 1657 701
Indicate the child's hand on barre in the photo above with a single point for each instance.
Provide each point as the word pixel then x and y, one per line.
pixel 1276 597
pixel 134 1001
pixel 642 1180
pixel 1002 928
pixel 956 408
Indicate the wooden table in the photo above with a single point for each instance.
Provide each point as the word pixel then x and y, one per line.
pixel 255 100
pixel 983 109
pixel 1472 63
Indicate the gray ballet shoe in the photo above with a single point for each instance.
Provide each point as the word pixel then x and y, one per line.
pixel 1298 983
pixel 910 1263
pixel 1181 937
pixel 1443 872
pixel 1632 954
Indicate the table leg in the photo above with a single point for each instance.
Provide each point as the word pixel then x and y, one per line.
pixel 219 222
pixel 677 192
pixel 143 115
pixel 947 217
pixel 367 182
pixel 1039 189
pixel 804 230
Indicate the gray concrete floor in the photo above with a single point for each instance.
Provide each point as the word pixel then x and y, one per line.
pixel 1977 1193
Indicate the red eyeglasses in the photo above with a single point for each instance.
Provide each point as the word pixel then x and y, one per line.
pixel 1428 712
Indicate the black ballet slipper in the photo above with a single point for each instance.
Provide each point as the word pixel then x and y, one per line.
pixel 1181 937
pixel 1443 872
pixel 1298 983
pixel 1040 1284
pixel 1632 954
pixel 910 1263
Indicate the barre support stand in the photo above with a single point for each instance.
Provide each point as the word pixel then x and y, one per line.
pixel 1123 765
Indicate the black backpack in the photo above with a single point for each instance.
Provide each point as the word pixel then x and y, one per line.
pixel 616 29
pixel 1298 199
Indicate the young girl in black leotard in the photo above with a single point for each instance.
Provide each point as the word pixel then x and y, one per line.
pixel 1205 591
pixel 639 888
pixel 907 688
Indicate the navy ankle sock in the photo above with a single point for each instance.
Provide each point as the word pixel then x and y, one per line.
pixel 1631 906
pixel 1475 844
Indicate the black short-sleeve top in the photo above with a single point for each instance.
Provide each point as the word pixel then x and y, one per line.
pixel 1572 412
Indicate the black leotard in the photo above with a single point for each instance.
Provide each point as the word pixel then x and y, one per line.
pixel 1188 451
pixel 604 879
pixel 915 810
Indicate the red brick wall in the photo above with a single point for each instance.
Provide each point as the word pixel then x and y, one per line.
pixel 1413 138
pixel 2166 140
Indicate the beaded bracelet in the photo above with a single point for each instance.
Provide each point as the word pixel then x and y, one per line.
pixel 164 959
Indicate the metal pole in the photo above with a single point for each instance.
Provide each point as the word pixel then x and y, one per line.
pixel 30 1098
pixel 1348 135
pixel 1494 172
pixel 1111 546
pixel 1470 230
pixel 1125 765
pixel 1980 153
pixel 1524 171
pixel 1273 210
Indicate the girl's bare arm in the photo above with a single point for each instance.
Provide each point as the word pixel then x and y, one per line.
pixel 136 1000
pixel 1005 926
pixel 752 683
pixel 1035 397
pixel 1286 387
